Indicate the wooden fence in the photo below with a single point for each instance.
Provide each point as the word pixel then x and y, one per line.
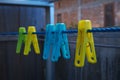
pixel 19 67
pixel 107 47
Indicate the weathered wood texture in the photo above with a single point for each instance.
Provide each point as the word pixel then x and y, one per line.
pixel 13 66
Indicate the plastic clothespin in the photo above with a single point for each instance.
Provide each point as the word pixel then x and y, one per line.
pixel 49 40
pixel 31 38
pixel 64 45
pixel 21 39
pixel 85 44
pixel 61 42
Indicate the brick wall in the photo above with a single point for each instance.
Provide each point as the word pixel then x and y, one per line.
pixel 87 1
pixel 117 13
pixel 93 13
pixel 72 11
pixel 68 11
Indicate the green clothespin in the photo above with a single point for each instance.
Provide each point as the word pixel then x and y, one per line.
pixel 21 39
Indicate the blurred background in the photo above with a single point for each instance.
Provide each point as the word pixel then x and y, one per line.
pixel 39 13
pixel 102 13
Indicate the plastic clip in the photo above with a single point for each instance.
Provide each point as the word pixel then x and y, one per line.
pixel 61 42
pixel 21 39
pixel 85 44
pixel 31 38
pixel 49 40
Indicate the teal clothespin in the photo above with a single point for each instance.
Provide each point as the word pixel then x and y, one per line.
pixel 56 46
pixel 61 42
pixel 65 45
pixel 21 39
pixel 49 40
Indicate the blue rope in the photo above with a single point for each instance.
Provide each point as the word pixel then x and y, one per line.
pixel 111 29
pixel 35 33
pixel 9 33
pixel 70 31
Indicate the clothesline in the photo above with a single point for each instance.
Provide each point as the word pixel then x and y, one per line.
pixel 110 29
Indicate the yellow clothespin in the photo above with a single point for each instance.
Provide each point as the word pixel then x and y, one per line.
pixel 85 44
pixel 31 38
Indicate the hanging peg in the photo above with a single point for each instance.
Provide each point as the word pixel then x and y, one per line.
pixel 21 39
pixel 61 42
pixel 49 41
pixel 31 38
pixel 56 47
pixel 85 44
pixel 64 45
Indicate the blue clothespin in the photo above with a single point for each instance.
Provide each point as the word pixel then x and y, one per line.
pixel 61 42
pixel 56 46
pixel 49 40
pixel 65 45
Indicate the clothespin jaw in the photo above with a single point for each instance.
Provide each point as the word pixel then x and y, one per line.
pixel 21 39
pixel 85 44
pixel 49 41
pixel 31 38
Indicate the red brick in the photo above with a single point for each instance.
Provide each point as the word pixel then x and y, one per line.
pixel 89 9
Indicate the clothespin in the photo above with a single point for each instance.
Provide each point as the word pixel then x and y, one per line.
pixel 61 42
pixel 21 39
pixel 64 45
pixel 85 44
pixel 31 39
pixel 49 40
